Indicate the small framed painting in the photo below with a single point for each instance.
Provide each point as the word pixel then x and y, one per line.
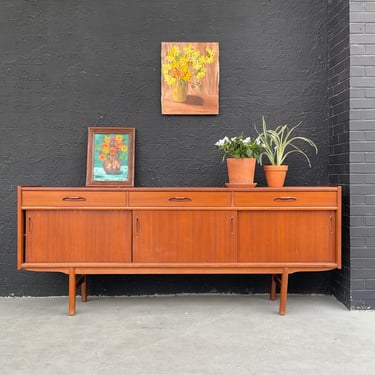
pixel 110 156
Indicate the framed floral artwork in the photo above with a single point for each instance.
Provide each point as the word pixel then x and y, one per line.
pixel 190 78
pixel 110 156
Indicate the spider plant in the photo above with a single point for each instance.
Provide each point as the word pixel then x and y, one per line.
pixel 280 142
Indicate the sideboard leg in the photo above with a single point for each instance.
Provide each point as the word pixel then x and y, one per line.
pixel 283 292
pixel 84 289
pixel 72 292
pixel 273 287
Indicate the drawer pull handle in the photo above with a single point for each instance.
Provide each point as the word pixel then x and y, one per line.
pixel 285 199
pixel 74 199
pixel 180 199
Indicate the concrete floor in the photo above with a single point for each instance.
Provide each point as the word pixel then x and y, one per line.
pixel 185 335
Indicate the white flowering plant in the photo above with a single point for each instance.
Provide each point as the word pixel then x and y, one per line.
pixel 239 147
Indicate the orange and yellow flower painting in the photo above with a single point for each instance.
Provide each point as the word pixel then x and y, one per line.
pixel 111 156
pixel 190 78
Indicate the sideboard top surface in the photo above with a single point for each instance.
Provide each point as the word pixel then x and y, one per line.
pixel 182 188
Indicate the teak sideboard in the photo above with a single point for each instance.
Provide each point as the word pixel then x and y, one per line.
pixel 82 231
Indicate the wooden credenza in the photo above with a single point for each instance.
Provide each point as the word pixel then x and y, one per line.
pixel 82 231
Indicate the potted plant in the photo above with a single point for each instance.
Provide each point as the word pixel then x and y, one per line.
pixel 277 144
pixel 242 154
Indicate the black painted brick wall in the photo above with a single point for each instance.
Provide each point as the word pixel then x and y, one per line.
pixel 339 111
pixel 362 153
pixel 67 65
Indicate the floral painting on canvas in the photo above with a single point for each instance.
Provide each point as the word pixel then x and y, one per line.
pixel 190 78
pixel 110 156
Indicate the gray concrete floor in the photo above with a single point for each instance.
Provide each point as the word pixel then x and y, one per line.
pixel 185 335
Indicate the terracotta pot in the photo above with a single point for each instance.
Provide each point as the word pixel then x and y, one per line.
pixel 275 175
pixel 241 171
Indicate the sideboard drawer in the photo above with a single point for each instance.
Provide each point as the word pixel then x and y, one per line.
pixel 72 198
pixel 179 199
pixel 286 199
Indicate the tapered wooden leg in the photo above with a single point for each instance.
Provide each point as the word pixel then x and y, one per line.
pixel 72 292
pixel 273 288
pixel 84 289
pixel 283 292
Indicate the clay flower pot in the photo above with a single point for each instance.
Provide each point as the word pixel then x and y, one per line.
pixel 275 175
pixel 241 170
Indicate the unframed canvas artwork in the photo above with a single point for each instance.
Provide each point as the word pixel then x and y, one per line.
pixel 190 78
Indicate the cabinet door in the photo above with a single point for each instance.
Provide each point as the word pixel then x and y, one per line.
pixel 286 236
pixel 63 236
pixel 184 236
